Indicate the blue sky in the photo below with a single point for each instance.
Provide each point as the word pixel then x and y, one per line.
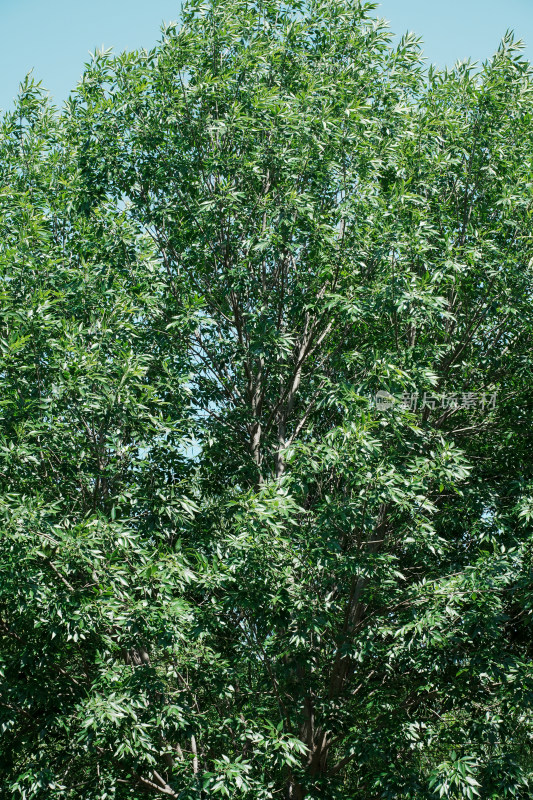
pixel 54 37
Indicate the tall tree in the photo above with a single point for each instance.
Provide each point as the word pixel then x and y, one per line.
pixel 266 473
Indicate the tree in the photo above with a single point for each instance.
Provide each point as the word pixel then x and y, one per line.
pixel 266 461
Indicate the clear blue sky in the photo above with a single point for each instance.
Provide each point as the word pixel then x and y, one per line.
pixel 55 36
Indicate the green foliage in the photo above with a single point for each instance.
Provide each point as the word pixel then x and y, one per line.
pixel 225 570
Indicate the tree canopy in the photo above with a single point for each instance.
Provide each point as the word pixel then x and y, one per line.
pixel 266 443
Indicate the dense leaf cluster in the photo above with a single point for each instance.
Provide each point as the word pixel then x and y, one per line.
pixel 226 570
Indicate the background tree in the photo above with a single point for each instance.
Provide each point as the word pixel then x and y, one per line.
pixel 226 570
